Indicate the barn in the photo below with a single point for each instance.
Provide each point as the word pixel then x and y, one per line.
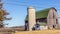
pixel 48 17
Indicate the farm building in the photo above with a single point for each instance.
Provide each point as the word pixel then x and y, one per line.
pixel 48 17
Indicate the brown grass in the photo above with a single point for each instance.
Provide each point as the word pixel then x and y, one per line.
pixel 39 32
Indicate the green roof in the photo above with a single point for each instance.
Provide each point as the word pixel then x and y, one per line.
pixel 41 14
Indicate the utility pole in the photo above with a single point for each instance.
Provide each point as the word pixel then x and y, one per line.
pixel 3 15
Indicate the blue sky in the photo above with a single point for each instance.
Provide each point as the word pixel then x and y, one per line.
pixel 18 12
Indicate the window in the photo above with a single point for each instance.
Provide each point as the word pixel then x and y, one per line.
pixel 56 21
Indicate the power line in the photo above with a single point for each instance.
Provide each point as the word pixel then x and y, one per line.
pixel 26 1
pixel 25 5
pixel 34 3
pixel 29 2
pixel 22 5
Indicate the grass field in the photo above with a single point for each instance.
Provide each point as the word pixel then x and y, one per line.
pixel 39 32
